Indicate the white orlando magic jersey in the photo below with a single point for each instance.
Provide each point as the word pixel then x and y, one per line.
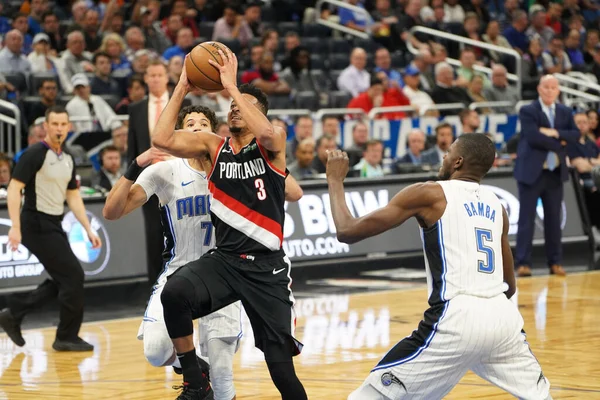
pixel 185 209
pixel 463 250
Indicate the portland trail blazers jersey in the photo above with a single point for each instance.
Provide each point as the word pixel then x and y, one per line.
pixel 463 250
pixel 248 195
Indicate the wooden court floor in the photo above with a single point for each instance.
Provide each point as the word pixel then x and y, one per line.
pixel 344 336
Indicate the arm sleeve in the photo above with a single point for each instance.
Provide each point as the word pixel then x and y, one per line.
pixel 29 164
pixel 153 180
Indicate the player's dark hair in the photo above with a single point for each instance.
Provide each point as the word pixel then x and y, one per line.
pixel 478 152
pixel 208 113
pixel 253 91
pixel 56 110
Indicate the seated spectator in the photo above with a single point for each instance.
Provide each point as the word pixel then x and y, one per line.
pixel 265 78
pixel 119 141
pixel 183 44
pixel 501 90
pixel 383 63
pixel 572 47
pixel 424 63
pixel 36 11
pixel 370 164
pixel 35 135
pixel 174 23
pixel 325 144
pixel 360 137
pixel 355 79
pixel 417 97
pixel 375 97
pixel 479 7
pixel 12 58
pixel 223 130
pixel 507 16
pixel 110 168
pixel 469 119
pixel 48 92
pixel 115 23
pixel 330 126
pixel 471 28
pixel 141 61
pixel 515 34
pixel 416 145
pixel 270 42
pixel 303 129
pixel 102 83
pixel 75 59
pixel 436 15
pixel 354 20
pixel 533 62
pixel 475 91
pixel 4 21
pixel 301 168
pixel 297 75
pixel 444 92
pixel 592 42
pixel 570 10
pixel 553 18
pixel 174 68
pixel 43 61
pixel 443 140
pixel 5 168
pixel 136 90
pixel 290 42
pixel 538 28
pixel 384 27
pixel 21 24
pixel 181 8
pixel 114 47
pixel 492 36
pixel 555 59
pixel 57 33
pixel 278 122
pixel 466 70
pixel 406 21
pixel 252 15
pixel 91 32
pixel 256 52
pixel 134 41
pixel 594 118
pixel 585 155
pixel 454 12
pixel 232 26
pixel 155 38
pixel 85 104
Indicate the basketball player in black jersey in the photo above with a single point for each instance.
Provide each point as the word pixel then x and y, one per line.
pixel 247 186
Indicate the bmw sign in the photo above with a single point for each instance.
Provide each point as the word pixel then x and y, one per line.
pixel 92 260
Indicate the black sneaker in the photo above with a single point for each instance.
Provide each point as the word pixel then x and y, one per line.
pixel 72 345
pixel 12 327
pixel 187 393
pixel 204 367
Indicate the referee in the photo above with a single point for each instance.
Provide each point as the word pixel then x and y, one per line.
pixel 47 174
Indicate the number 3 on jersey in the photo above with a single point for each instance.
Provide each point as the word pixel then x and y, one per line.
pixel 486 265
pixel 260 185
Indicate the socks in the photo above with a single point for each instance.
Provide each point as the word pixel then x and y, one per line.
pixel 192 374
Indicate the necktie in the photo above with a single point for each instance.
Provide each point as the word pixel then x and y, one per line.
pixel 551 157
pixel 158 111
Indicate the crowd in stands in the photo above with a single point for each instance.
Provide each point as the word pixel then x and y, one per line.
pixel 101 57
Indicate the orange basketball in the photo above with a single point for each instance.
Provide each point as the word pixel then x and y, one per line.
pixel 199 71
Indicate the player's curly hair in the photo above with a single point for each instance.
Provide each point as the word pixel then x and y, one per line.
pixel 208 113
pixel 262 98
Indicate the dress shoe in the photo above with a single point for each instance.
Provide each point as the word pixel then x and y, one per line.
pixel 12 327
pixel 523 271
pixel 557 270
pixel 77 344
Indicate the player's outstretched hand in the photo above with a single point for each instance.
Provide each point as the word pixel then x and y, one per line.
pixel 228 70
pixel 151 156
pixel 337 165
pixel 183 79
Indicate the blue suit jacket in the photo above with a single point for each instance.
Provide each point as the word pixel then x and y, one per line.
pixel 431 156
pixel 534 146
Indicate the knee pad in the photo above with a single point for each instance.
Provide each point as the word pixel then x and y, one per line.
pixel 158 347
pixel 176 294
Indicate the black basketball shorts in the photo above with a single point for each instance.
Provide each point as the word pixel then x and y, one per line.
pixel 261 282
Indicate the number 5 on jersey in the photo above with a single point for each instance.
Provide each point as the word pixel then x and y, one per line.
pixel 260 185
pixel 486 265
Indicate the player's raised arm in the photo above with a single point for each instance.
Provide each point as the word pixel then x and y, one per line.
pixel 508 264
pixel 414 201
pixel 181 143
pixel 125 196
pixel 293 191
pixel 271 138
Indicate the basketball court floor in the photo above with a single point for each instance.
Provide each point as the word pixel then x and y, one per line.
pixel 344 336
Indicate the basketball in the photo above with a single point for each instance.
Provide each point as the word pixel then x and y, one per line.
pixel 199 71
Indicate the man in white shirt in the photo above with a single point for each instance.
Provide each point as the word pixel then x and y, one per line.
pixel 355 78
pixel 85 104
pixel 417 97
pixel 370 165
pixel 12 58
pixel 555 59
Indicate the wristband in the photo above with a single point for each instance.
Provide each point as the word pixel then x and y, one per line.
pixel 133 171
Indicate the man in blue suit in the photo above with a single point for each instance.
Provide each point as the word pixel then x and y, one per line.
pixel 540 170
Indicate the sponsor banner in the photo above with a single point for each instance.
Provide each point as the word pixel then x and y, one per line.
pixel 114 260
pixel 309 231
pixel 394 134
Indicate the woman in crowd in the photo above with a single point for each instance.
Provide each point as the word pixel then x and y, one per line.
pixel 113 45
